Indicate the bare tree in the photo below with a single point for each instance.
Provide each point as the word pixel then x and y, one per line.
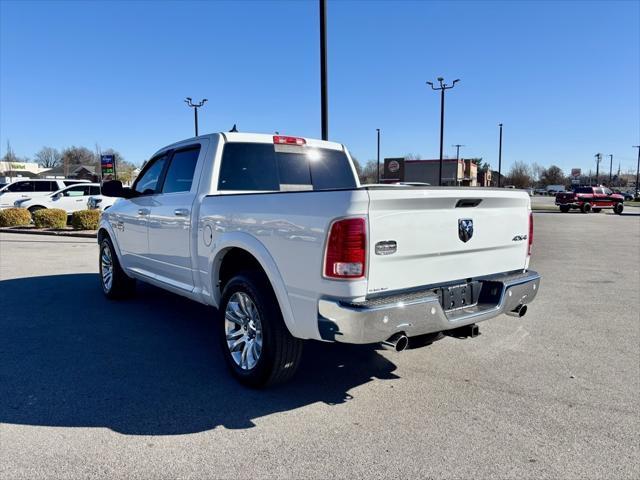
pixel 552 176
pixel 536 171
pixel 9 156
pixel 520 175
pixel 48 157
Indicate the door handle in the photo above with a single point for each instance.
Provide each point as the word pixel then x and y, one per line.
pixel 143 211
pixel 181 212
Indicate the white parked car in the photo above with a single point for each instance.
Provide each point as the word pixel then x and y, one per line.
pixel 100 202
pixel 32 188
pixel 277 233
pixel 71 199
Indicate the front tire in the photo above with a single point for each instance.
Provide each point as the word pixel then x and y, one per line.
pixel 35 208
pixel 618 208
pixel 115 283
pixel 256 344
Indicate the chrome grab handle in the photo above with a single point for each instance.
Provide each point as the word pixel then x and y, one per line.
pixel 181 212
pixel 143 211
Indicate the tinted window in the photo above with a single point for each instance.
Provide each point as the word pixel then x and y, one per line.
pixel 248 166
pixel 258 166
pixel 21 187
pixel 77 191
pixel 147 183
pixel 46 186
pixel 180 172
pixel 584 190
pixel 68 183
pixel 94 190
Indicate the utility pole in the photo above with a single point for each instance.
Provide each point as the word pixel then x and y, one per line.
pixel 324 109
pixel 457 145
pixel 500 156
pixel 598 160
pixel 443 87
pixel 195 107
pixel 610 169
pixel 637 172
pixel 378 169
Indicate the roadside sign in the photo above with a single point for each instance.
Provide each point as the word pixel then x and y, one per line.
pixel 108 165
pixel 576 172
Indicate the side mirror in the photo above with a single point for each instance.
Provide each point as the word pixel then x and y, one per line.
pixel 114 188
pixel 57 196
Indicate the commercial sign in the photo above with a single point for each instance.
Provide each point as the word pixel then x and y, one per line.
pixel 107 165
pixel 576 172
pixel 394 169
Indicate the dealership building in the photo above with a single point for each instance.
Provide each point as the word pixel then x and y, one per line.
pixel 455 172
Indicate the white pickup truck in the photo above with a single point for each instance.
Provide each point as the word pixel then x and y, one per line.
pixel 278 234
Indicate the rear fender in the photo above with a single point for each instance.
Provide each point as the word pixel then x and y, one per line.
pixel 261 254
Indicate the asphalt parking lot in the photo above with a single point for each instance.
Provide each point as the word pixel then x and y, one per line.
pixel 138 389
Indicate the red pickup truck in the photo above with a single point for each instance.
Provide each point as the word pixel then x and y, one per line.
pixel 590 198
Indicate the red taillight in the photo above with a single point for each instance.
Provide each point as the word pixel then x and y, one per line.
pixel 530 231
pixel 282 140
pixel 346 249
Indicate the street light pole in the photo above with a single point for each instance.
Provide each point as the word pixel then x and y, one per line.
pixel 195 107
pixel 443 86
pixel 324 110
pixel 378 170
pixel 598 160
pixel 500 157
pixel 637 171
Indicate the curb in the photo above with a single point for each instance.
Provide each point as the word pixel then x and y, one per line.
pixel 27 231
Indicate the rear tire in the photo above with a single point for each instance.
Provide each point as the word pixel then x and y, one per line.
pixel 34 209
pixel 115 283
pixel 251 325
pixel 564 208
pixel 585 208
pixel 618 208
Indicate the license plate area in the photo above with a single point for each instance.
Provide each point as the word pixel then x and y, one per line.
pixel 460 296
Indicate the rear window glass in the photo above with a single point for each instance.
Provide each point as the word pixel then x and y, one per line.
pixel 258 166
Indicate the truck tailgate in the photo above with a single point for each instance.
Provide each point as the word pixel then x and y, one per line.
pixel 425 223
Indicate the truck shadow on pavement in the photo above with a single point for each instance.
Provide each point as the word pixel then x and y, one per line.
pixel 146 366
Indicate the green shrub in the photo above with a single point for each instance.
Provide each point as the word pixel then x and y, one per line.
pixel 85 220
pixel 50 218
pixel 14 217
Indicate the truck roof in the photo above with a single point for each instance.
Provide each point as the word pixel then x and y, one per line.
pixel 256 138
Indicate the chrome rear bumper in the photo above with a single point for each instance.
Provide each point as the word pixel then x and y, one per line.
pixel 418 313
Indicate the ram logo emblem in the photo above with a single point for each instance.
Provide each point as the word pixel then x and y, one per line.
pixel 465 229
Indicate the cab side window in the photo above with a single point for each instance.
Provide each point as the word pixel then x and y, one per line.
pixel 147 182
pixel 46 186
pixel 180 172
pixel 78 191
pixel 21 187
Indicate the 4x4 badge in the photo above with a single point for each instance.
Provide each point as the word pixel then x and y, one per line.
pixel 465 229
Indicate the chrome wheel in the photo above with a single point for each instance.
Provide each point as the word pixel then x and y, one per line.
pixel 243 330
pixel 106 268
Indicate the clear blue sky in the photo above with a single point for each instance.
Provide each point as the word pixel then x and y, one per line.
pixel 563 77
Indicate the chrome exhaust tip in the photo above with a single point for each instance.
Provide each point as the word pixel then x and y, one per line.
pixel 519 311
pixel 397 342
